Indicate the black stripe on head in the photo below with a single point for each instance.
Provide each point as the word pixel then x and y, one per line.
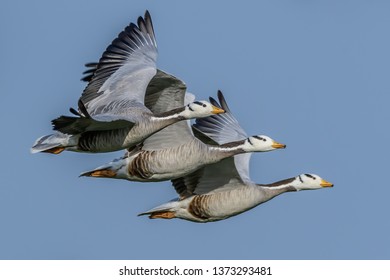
pixel 199 103
pixel 189 107
pixel 310 176
pixel 250 142
pixel 300 179
pixel 260 138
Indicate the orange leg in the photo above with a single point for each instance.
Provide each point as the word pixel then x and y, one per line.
pixel 103 173
pixel 162 215
pixel 55 150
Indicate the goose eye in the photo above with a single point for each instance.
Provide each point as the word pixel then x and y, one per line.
pixel 204 105
pixel 264 139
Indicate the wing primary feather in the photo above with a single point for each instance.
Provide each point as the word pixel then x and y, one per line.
pixel 223 101
pixel 117 54
pixel 149 26
pixel 214 102
pixel 82 109
pixel 88 74
pixel 91 64
pixel 141 24
pixel 74 112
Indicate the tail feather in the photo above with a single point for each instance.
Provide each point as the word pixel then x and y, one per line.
pixel 164 211
pixel 108 170
pixel 53 143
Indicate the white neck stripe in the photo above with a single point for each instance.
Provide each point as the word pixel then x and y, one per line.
pixel 174 116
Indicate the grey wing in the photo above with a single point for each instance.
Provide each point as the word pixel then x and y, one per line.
pixel 166 92
pixel 220 176
pixel 173 135
pixel 117 85
pixel 211 178
pixel 161 86
pixel 224 128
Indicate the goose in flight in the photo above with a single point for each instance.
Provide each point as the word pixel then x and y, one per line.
pixel 174 152
pixel 224 189
pixel 113 111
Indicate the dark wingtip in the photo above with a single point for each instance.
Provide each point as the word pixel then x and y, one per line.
pixel 143 21
pixel 147 16
pixel 214 102
pixel 223 102
pixel 131 26
pixel 148 19
pixel 140 21
pixel 91 64
pixel 149 25
pixel 88 74
pixel 74 112
pixel 82 109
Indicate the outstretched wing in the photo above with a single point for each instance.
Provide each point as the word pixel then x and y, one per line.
pixel 117 84
pixel 211 178
pixel 216 129
pixel 224 128
pixel 114 96
pixel 166 92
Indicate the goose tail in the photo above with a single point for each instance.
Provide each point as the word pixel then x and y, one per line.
pixel 53 143
pixel 164 211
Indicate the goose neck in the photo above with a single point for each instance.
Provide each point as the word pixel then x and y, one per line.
pixel 229 149
pixel 170 117
pixel 279 187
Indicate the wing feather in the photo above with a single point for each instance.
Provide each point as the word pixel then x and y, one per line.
pixel 216 129
pixel 166 92
pixel 118 83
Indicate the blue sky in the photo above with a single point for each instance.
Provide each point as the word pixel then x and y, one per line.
pixel 311 74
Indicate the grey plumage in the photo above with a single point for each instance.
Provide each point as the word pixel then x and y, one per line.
pixel 119 107
pixel 174 152
pixel 223 189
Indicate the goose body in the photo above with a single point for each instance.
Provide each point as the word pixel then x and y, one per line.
pixel 224 189
pixel 231 199
pixel 175 152
pixel 114 109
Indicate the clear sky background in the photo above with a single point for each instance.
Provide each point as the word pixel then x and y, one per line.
pixel 314 75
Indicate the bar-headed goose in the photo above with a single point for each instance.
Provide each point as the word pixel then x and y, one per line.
pixel 112 112
pixel 175 152
pixel 224 189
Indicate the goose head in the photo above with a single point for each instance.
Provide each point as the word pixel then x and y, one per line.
pixel 310 182
pixel 200 109
pixel 261 143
